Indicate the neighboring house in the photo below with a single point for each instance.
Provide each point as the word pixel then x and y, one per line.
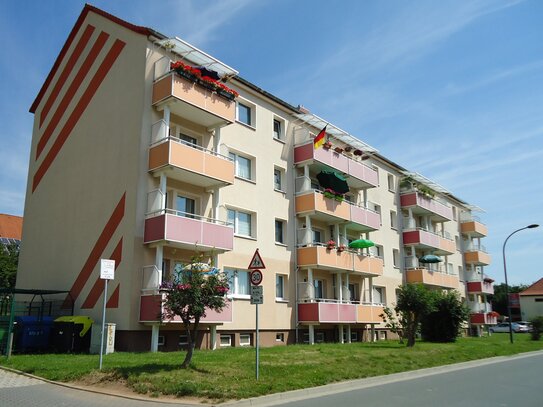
pixel 11 229
pixel 137 157
pixel 531 301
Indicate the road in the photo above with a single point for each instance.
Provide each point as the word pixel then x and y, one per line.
pixel 498 382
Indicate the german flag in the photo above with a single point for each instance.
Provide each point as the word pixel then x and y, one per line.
pixel 320 139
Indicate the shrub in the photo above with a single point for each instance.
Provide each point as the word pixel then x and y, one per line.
pixel 537 328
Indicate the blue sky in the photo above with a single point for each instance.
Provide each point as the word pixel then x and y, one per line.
pixel 450 89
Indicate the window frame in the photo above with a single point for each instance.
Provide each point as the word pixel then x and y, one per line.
pixel 283 278
pixel 236 157
pixel 233 275
pixel 281 173
pixel 235 223
pixel 281 136
pixel 221 344
pixel 282 223
pixel 245 343
pixel 251 113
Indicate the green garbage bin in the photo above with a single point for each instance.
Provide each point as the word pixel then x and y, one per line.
pixel 71 334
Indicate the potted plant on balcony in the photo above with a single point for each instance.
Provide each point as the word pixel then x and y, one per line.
pixel 329 193
pixel 327 145
pixel 341 248
pixel 358 152
pixel 338 150
pixel 488 280
pixel 331 244
pixel 339 197
pixel 348 149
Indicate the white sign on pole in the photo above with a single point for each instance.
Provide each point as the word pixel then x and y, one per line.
pixel 257 294
pixel 107 269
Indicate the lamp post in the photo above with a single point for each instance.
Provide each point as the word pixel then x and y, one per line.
pixel 505 272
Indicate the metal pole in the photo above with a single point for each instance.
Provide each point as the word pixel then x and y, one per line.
pixel 103 323
pixel 506 284
pixel 257 343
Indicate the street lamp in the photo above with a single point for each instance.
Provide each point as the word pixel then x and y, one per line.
pixel 505 272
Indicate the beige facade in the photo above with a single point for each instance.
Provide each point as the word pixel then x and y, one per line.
pixel 134 161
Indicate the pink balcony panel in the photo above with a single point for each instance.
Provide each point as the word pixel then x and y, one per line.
pixel 424 238
pixel 482 318
pixel 323 312
pixel 365 217
pixel 476 287
pixel 416 199
pixel 151 311
pixel 188 232
pixel 367 175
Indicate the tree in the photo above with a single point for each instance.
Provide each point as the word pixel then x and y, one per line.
pixel 9 259
pixel 391 322
pixel 195 289
pixel 413 302
pixel 443 323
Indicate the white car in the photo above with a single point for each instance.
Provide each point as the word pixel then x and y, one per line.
pixel 504 327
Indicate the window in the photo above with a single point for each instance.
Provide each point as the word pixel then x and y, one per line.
pixel 379 295
pixel 461 273
pixel 378 251
pixel 391 186
pixel 317 236
pixel 242 222
pixel 245 114
pixel 278 129
pixel 187 139
pixel 280 286
pixel 354 336
pixel 454 212
pixel 278 179
pixel 354 292
pixel 280 337
pixel 161 340
pixel 450 268
pixel 396 257
pixel 185 206
pixel 319 289
pixel 279 231
pixel 245 339
pixel 226 340
pixel 242 166
pixel 457 243
pixel 393 220
pixel 183 340
pixel 238 281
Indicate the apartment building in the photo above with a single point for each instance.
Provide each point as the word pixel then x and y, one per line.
pixel 147 150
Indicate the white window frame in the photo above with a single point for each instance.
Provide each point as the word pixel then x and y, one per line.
pixel 280 337
pixel 282 128
pixel 383 294
pixel 234 290
pixel 394 220
pixel 236 157
pixel 391 183
pixel 252 113
pixel 281 172
pixel 225 336
pixel 235 223
pixel 396 258
pixel 245 342
pixel 284 279
pixel 283 235
pixel 161 340
pixel 180 340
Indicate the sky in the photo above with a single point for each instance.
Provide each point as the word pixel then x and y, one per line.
pixel 451 89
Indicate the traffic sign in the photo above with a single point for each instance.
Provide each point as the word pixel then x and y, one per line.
pixel 256 263
pixel 256 277
pixel 107 269
pixel 257 294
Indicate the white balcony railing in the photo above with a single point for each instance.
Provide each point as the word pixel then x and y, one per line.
pixel 151 279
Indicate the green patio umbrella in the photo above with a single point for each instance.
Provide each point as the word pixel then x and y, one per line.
pixel 361 244
pixel 334 181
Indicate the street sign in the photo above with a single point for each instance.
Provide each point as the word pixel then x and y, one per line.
pixel 256 263
pixel 107 269
pixel 257 294
pixel 256 277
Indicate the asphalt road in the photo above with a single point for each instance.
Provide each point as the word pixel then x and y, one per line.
pixel 498 382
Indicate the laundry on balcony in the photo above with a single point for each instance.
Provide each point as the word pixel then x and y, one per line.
pixel 361 244
pixel 334 181
pixel 430 258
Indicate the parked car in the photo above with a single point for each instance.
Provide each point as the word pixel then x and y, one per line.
pixel 504 327
pixel 527 324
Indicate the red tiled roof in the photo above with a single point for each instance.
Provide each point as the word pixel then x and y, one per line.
pixel 11 226
pixel 535 289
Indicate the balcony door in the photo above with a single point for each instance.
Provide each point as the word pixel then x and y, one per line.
pixel 319 289
pixel 185 206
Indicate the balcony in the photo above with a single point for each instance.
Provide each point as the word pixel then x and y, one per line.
pixel 424 239
pixel 190 163
pixel 369 313
pixel 314 203
pixel 360 175
pixel 322 258
pixel 188 231
pixel 432 278
pixel 477 255
pixel 151 309
pixel 480 287
pixel 473 227
pixel 193 101
pixel 483 318
pixel 423 205
pixel 326 311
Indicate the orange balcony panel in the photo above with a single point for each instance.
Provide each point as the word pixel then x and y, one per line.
pixel 480 287
pixel 421 204
pixel 477 257
pixel 447 245
pixel 368 265
pixel 193 102
pixel 320 257
pixel 325 312
pixel 482 318
pixel 326 207
pixel 474 228
pixel 191 165
pixel 151 309
pixel 432 278
pixel 369 314
pixel 360 174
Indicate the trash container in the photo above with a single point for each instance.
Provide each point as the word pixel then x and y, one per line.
pixel 32 333
pixel 71 334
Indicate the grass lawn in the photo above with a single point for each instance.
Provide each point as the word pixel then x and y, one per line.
pixel 230 373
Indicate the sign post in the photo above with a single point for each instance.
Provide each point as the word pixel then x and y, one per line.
pixel 257 297
pixel 107 272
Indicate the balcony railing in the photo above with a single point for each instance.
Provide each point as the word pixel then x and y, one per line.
pixel 422 238
pixel 362 218
pixel 360 174
pixel 189 231
pixel 190 163
pixel 422 204
pixel 480 287
pixel 483 318
pixel 477 255
pixel 432 278
pixel 473 227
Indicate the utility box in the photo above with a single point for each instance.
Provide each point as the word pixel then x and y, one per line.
pixel 109 338
pixel 71 334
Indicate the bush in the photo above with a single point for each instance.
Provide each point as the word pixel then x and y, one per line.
pixel 537 328
pixel 443 322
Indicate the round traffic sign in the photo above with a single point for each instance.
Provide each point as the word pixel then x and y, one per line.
pixel 256 277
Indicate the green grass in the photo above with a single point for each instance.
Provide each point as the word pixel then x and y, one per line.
pixel 230 373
